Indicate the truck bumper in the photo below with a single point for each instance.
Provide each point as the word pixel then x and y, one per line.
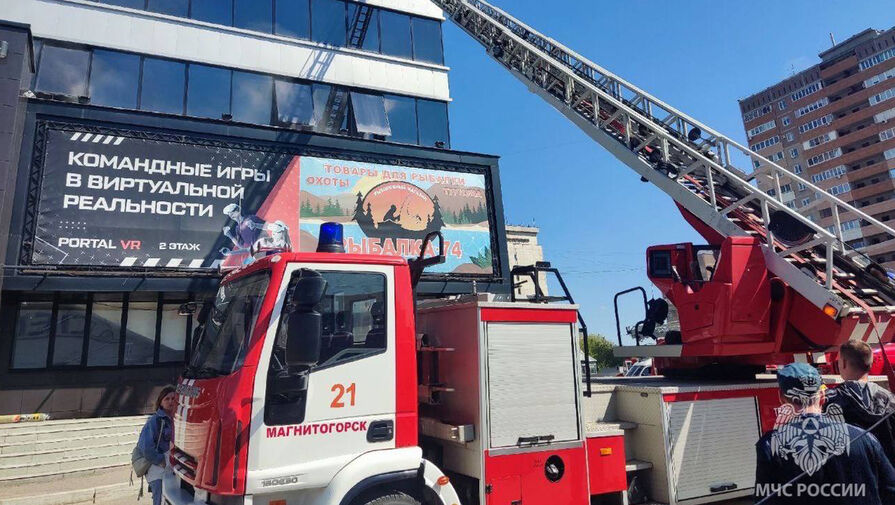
pixel 175 494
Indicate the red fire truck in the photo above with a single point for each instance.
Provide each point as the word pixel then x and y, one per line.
pixel 319 379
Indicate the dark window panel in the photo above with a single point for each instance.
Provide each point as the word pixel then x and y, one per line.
pixel 252 97
pixel 133 4
pixel 328 22
pixel 256 15
pixel 363 27
pixel 69 340
pixel 105 332
pixel 114 79
pixel 38 45
pixel 219 12
pixel 293 18
pixel 209 91
pixel 294 103
pixel 330 108
pixel 173 336
pixel 401 113
pixel 63 70
pixel 163 86
pixel 433 122
pixel 369 114
pixel 32 336
pixel 395 34
pixel 179 8
pixel 427 41
pixel 139 344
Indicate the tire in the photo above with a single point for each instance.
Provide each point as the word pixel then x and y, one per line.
pixel 392 498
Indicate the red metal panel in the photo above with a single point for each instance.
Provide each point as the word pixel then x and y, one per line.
pixel 502 473
pixel 406 425
pixel 529 315
pixel 606 464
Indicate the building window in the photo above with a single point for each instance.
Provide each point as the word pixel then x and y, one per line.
pixel 814 87
pixel 786 121
pixel 208 91
pixel 766 143
pixel 293 18
pixel 113 80
pixel 219 12
pixel 139 341
pixel 255 15
pixel 427 41
pixel 761 128
pixel 330 109
pixel 797 168
pixel 328 21
pixel 402 118
pixel 163 85
pixel 802 186
pixel 173 335
pixel 790 137
pixel 133 4
pixel 433 123
pixel 363 27
pixel 805 202
pixel 68 342
pixel 396 38
pixel 179 8
pixel 32 338
pixel 781 105
pixel 801 111
pixel 882 97
pixel 63 70
pixel 252 97
pixel 368 112
pixel 294 104
pixel 105 330
pixel 793 153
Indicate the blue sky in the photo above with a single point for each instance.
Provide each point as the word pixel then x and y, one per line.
pixel 596 217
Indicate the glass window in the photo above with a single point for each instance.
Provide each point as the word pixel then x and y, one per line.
pixel 105 331
pixel 252 97
pixel 395 34
pixel 328 22
pixel 427 41
pixel 294 105
pixel 63 70
pixel 133 4
pixel 225 337
pixel 114 79
pixel 32 337
pixel 433 121
pixel 208 93
pixel 369 114
pixel 68 344
pixel 254 15
pixel 401 113
pixel 363 27
pixel 163 86
pixel 173 335
pixel 330 108
pixel 139 342
pixel 293 18
pixel 179 8
pixel 219 12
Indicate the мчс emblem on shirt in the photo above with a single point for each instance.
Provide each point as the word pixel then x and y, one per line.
pixel 810 440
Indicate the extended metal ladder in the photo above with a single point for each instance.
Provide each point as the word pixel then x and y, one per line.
pixel 689 161
pixel 337 101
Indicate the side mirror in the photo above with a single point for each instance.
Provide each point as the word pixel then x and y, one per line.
pixel 303 324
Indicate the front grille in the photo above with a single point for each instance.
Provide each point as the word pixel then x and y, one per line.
pixel 184 463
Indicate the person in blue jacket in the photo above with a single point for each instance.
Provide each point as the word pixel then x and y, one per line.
pixel 155 440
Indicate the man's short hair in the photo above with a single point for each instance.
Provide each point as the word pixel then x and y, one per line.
pixel 857 354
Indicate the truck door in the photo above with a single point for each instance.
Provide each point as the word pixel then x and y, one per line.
pixel 349 405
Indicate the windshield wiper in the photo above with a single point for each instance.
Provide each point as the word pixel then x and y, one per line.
pixel 193 372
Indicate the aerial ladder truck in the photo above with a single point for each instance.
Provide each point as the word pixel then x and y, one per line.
pixel 479 399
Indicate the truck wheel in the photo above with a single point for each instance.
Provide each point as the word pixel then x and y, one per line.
pixel 393 498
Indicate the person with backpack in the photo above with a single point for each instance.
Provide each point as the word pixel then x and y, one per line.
pixel 151 454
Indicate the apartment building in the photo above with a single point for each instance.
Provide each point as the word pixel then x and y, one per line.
pixel 832 124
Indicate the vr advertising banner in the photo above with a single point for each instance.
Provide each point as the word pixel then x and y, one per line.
pixel 174 202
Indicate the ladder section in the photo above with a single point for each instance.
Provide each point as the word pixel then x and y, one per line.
pixel 690 162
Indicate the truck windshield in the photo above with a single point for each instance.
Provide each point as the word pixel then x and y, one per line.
pixel 222 345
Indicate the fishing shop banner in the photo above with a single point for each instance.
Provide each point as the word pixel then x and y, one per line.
pixel 163 201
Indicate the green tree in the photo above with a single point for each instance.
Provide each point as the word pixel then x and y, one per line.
pixel 600 351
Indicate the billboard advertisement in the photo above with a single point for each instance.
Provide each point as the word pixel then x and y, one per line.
pixel 134 200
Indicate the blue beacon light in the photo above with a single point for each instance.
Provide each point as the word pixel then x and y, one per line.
pixel 330 240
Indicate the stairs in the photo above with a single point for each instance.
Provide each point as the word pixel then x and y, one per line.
pixel 67 462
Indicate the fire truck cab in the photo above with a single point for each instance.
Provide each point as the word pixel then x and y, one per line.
pixel 319 380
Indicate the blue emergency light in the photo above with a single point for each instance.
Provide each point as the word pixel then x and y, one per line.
pixel 330 239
